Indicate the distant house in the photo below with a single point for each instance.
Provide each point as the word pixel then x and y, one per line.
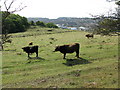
pixel 73 28
pixel 58 25
pixel 83 28
pixel 62 26
pixel 65 27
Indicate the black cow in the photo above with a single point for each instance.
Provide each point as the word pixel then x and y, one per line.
pixel 89 35
pixel 70 48
pixel 30 50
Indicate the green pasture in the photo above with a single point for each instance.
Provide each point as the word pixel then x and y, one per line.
pixel 97 66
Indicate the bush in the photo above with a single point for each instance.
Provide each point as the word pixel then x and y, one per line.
pixel 40 23
pixel 51 25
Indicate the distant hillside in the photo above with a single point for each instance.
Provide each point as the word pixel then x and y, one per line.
pixel 67 21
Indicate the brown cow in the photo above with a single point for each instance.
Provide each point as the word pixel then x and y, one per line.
pixel 89 35
pixel 68 49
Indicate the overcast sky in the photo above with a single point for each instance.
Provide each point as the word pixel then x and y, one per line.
pixel 64 8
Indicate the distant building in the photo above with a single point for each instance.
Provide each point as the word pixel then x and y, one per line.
pixel 58 25
pixel 83 28
pixel 62 26
pixel 73 28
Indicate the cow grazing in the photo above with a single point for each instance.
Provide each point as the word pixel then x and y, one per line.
pixel 30 50
pixel 89 35
pixel 68 49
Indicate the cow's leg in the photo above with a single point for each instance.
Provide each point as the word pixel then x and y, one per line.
pixel 77 53
pixel 28 55
pixel 64 55
pixel 36 54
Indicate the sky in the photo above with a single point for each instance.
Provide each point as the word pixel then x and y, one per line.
pixel 63 8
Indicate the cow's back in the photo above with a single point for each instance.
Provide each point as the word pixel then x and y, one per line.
pixel 72 48
pixel 33 49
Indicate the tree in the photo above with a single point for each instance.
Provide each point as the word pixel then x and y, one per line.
pixel 118 15
pixel 108 24
pixel 40 23
pixel 32 23
pixel 5 36
pixel 16 23
pixel 51 25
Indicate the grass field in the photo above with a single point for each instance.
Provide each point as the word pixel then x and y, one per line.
pixel 97 66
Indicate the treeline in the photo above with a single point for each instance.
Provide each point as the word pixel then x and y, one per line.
pixel 42 24
pixel 16 23
pixel 67 21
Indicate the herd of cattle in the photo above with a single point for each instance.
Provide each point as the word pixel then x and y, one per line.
pixel 64 49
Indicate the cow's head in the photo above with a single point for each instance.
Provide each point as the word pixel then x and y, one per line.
pixel 25 49
pixel 57 49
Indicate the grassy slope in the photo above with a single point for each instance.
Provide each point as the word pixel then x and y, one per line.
pixel 97 67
